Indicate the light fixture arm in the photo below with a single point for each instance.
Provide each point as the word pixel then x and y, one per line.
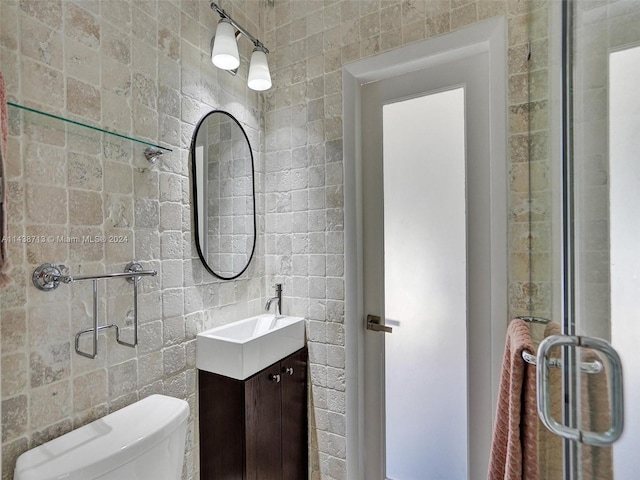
pixel 256 43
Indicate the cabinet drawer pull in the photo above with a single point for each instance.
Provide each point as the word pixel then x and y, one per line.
pixel 274 377
pixel 287 370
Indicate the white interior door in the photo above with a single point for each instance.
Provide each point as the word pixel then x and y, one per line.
pixel 425 284
pixel 427 272
pixel 624 204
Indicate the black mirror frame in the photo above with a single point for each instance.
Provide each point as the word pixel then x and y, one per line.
pixel 194 195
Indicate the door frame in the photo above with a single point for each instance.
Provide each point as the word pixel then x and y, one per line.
pixel 487 36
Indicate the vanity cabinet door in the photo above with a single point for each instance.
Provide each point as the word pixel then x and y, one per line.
pixel 294 416
pixel 263 407
pixel 255 429
pixel 222 438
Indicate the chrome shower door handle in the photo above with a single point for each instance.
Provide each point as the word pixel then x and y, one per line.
pixel 599 439
pixel 375 323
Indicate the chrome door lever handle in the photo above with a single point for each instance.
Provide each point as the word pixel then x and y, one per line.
pixel 375 323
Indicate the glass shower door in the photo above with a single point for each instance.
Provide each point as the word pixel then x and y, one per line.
pixel 600 240
pixel 606 119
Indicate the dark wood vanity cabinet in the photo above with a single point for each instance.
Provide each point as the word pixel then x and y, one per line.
pixel 255 429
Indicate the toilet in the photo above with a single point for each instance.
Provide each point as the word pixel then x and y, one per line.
pixel 143 441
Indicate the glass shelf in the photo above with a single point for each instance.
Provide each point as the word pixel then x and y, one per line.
pixel 91 127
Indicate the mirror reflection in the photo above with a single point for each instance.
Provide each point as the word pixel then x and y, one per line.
pixel 223 195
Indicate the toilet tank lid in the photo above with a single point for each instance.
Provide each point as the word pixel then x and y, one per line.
pixel 101 446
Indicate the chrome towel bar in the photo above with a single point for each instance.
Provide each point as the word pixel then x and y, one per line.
pixel 48 276
pixel 530 319
pixel 585 367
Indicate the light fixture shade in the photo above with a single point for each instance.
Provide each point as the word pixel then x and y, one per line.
pixel 224 53
pixel 259 76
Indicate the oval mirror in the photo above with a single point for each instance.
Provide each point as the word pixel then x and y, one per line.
pixel 224 207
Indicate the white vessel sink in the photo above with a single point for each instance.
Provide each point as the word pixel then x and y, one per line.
pixel 240 349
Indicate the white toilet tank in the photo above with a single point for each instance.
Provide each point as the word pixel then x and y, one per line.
pixel 143 441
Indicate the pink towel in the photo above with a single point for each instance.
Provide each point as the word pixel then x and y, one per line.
pixel 514 447
pixel 5 264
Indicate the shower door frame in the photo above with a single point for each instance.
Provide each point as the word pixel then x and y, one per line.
pixel 489 36
pixel 569 379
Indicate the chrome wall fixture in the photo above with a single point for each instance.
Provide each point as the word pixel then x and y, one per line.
pixel 224 51
pixel 152 154
pixel 48 276
pixel 585 367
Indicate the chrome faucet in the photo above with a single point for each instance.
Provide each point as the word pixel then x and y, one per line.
pixel 277 299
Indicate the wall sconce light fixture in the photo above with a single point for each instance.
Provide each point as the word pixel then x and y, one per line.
pixel 224 51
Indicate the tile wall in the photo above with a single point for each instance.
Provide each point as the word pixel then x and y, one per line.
pixel 142 68
pixel 534 229
pixel 304 228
